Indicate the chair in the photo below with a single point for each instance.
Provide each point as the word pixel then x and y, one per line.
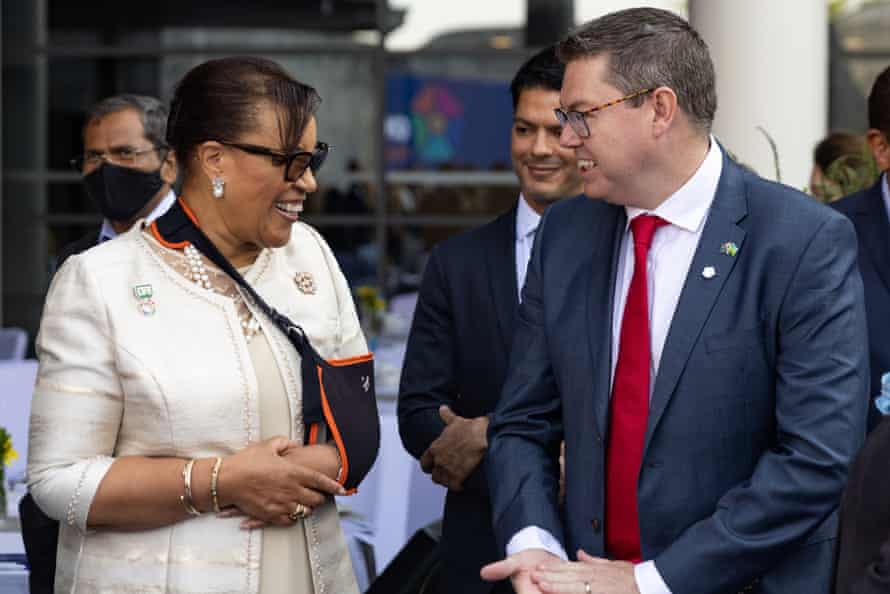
pixel 13 343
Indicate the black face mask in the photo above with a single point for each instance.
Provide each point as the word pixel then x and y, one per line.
pixel 121 192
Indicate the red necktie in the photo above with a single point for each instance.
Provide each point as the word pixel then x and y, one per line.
pixel 629 409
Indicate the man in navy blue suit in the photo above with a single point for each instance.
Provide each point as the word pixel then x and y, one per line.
pixel 870 212
pixel 458 349
pixel 863 562
pixel 695 333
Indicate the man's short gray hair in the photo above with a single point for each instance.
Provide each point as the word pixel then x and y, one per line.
pixel 648 48
pixel 153 112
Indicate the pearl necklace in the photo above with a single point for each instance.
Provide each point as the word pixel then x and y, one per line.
pixel 198 273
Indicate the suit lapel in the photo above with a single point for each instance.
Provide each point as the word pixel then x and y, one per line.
pixel 872 220
pixel 699 293
pixel 501 261
pixel 600 307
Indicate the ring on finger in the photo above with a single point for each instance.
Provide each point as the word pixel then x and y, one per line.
pixel 586 587
pixel 298 513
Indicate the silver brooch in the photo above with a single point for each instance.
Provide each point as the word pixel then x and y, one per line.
pixel 305 282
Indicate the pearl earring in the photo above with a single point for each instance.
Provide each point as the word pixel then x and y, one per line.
pixel 219 186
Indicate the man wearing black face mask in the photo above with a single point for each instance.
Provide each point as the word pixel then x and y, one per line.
pixel 128 170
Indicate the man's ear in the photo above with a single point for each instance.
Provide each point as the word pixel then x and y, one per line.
pixel 880 148
pixel 169 168
pixel 664 108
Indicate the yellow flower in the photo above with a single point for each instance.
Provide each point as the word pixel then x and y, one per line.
pixel 9 455
pixel 366 292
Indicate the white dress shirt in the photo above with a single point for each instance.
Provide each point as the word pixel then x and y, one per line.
pixel 527 221
pixel 107 232
pixel 668 261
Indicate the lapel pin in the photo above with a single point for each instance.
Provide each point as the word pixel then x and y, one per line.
pixel 709 272
pixel 729 248
pixel 305 282
pixel 146 305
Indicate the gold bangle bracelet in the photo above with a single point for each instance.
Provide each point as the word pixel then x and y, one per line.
pixel 214 483
pixel 186 498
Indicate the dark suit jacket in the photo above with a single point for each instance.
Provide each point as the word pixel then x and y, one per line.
pixel 40 533
pixel 457 355
pixel 863 563
pixel 869 215
pixel 758 405
pixel 78 246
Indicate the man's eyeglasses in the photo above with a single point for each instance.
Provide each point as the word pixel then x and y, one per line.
pixel 125 155
pixel 578 119
pixel 295 164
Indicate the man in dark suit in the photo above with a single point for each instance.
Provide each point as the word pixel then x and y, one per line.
pixel 863 562
pixel 129 172
pixel 458 348
pixel 870 212
pixel 696 334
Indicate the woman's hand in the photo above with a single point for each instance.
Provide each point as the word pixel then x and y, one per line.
pixel 320 457
pixel 266 486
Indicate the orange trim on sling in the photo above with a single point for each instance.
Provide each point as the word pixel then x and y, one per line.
pixel 164 242
pixel 351 360
pixel 313 434
pixel 335 433
pixel 188 211
pixel 168 244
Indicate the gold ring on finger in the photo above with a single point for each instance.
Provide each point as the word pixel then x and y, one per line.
pixel 298 513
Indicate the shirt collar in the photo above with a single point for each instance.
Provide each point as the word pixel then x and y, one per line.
pixel 687 207
pixel 527 220
pixel 107 232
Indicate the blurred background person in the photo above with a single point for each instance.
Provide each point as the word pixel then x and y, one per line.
pixel 869 210
pixel 459 344
pixel 163 397
pixel 129 171
pixel 840 160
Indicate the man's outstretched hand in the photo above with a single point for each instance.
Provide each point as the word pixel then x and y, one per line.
pixel 518 569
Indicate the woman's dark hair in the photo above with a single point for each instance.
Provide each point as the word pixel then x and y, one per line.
pixel 221 99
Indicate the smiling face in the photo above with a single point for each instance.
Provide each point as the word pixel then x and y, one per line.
pixel 259 207
pixel 546 171
pixel 612 158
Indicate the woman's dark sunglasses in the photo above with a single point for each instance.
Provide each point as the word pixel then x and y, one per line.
pixel 295 163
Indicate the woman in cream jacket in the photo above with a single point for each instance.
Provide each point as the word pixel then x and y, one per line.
pixel 164 395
